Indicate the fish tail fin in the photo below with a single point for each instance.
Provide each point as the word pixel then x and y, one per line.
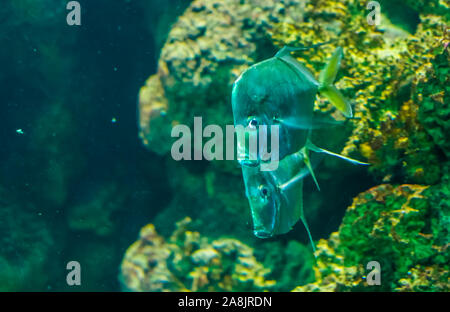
pixel 316 149
pixel 328 74
pixel 326 87
pixel 307 162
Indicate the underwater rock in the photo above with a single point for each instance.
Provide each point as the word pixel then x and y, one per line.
pixel 206 50
pixel 152 108
pixel 159 14
pixel 437 7
pixel 396 226
pixel 439 197
pixel 290 263
pixel 430 85
pixel 395 78
pixel 425 278
pixel 380 68
pixel 209 197
pixel 190 262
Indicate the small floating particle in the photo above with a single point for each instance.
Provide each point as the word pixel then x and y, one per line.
pixel 20 131
pixel 114 120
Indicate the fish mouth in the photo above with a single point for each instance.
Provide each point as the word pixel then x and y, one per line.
pixel 262 233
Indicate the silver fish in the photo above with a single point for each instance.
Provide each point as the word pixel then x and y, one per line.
pixel 276 197
pixel 281 91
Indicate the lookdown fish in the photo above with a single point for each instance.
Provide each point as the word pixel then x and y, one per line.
pixel 276 197
pixel 281 91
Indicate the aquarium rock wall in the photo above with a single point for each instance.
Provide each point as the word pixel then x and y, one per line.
pixel 86 172
pixel 397 76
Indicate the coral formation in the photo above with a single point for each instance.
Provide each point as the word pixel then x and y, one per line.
pixel 381 66
pixel 396 226
pixel 431 86
pixel 207 48
pixel 290 264
pixel 380 69
pixel 438 7
pixel 63 86
pixel 396 75
pixel 188 261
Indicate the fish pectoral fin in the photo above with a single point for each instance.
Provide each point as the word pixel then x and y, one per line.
pixel 307 162
pixel 316 149
pixel 326 87
pixel 310 123
pixel 295 123
pixel 293 181
pixel 308 169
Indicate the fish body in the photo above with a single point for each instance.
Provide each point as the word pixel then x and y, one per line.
pixel 275 210
pixel 281 91
pixel 271 91
pixel 276 197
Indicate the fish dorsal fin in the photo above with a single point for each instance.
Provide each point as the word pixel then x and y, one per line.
pixel 305 224
pixel 287 49
pixel 326 87
pixel 316 149
pixel 302 72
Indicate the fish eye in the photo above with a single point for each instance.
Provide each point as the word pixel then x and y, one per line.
pixel 264 191
pixel 253 123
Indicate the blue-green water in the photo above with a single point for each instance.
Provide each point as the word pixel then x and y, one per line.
pixel 82 169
